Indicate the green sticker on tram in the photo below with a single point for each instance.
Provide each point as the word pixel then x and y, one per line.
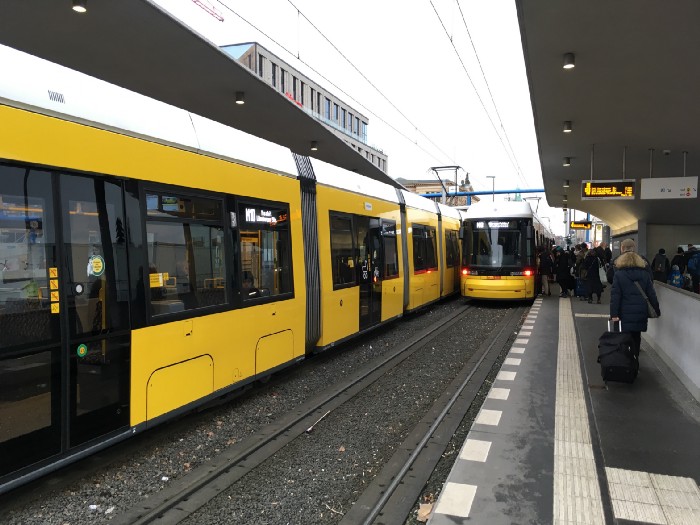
pixel 81 351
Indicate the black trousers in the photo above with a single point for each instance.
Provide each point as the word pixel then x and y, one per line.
pixel 637 338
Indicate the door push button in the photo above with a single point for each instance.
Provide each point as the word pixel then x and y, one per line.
pixel 78 289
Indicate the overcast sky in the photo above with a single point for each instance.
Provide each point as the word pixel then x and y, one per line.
pixel 415 82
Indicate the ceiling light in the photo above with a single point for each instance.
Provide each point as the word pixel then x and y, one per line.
pixel 567 126
pixel 566 183
pixel 565 199
pixel 314 145
pixel 567 161
pixel 569 62
pixel 240 98
pixel 79 6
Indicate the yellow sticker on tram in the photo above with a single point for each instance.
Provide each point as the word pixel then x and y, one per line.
pixel 53 284
pixel 54 296
pixel 54 308
pixel 53 273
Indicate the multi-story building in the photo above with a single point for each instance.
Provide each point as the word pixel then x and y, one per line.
pixel 441 186
pixel 345 121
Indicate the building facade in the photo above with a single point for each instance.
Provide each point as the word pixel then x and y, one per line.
pixel 345 121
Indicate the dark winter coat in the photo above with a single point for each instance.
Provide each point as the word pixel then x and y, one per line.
pixel 626 301
pixel 562 267
pixel 679 260
pixel 546 264
pixel 592 264
pixel 610 274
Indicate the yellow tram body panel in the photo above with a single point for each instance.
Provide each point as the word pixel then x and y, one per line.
pixel 424 286
pixel 498 287
pixel 340 308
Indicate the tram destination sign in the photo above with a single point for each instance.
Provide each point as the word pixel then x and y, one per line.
pixel 580 225
pixel 607 189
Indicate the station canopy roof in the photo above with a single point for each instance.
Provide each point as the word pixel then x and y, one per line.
pixel 634 88
pixel 138 46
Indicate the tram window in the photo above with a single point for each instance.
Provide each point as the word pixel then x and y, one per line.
pixel 26 253
pixel 496 247
pixel 451 248
pixel 187 263
pixel 391 254
pixel 424 257
pixel 265 250
pixel 342 253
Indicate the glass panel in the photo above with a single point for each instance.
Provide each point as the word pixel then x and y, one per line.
pixel 186 266
pixel 341 251
pixel 26 245
pixel 95 239
pixel 431 248
pixel 265 250
pixel 169 205
pixel 496 247
pixel 391 254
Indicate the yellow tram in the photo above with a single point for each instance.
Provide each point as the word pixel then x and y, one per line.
pixel 153 260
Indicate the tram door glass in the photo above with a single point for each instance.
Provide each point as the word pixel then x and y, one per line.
pixel 30 386
pixel 96 295
pixel 369 264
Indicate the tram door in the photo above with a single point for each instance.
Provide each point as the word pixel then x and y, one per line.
pixel 64 338
pixel 369 268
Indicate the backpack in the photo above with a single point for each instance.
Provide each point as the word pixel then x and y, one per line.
pixel 660 263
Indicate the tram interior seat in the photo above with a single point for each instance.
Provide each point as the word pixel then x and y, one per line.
pixel 25 319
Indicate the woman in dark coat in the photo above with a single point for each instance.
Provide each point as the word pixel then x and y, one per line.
pixel 591 264
pixel 627 303
pixel 562 272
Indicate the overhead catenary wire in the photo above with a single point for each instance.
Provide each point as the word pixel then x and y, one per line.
pixel 488 88
pixel 476 91
pixel 341 90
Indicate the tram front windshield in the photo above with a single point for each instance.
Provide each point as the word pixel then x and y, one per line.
pixel 496 244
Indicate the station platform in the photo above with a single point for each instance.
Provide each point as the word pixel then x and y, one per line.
pixel 554 444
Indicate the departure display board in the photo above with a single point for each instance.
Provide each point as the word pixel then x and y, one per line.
pixel 607 189
pixel 580 225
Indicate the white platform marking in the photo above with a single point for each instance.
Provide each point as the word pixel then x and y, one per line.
pixel 475 450
pixel 517 350
pixel 456 499
pixel 505 376
pixel 488 417
pixel 499 393
pixel 525 333
pixel 520 341
pixel 512 361
pixel 577 496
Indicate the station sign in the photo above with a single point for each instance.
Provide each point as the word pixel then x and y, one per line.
pixel 580 225
pixel 669 188
pixel 608 189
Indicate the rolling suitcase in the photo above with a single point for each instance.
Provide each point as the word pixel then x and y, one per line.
pixel 618 361
pixel 580 287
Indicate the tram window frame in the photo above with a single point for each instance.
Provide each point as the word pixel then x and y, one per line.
pixel 282 241
pixel 159 286
pixel 347 278
pixel 423 239
pixel 390 245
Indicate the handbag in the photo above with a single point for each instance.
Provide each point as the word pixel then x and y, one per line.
pixel 650 309
pixel 601 272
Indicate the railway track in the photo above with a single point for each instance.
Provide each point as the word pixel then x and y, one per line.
pixel 394 491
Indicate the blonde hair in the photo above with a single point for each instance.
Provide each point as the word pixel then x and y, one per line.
pixel 628 245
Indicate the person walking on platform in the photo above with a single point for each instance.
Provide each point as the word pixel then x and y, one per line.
pixel 679 260
pixel 592 264
pixel 563 271
pixel 628 245
pixel 546 267
pixel 661 266
pixel 694 267
pixel 627 302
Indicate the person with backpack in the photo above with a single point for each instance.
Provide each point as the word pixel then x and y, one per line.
pixel 661 266
pixel 679 260
pixel 694 268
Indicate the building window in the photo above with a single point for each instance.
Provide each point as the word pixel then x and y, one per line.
pixel 357 126
pixel 301 90
pixel 363 131
pixel 318 100
pixel 328 108
pixel 261 65
pixel 336 113
pixel 343 115
pixel 294 88
pixel 274 75
pixel 313 91
pixel 350 117
pixel 282 83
